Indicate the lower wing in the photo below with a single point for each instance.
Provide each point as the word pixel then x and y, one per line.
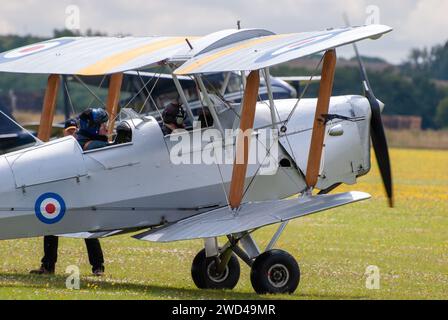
pixel 223 221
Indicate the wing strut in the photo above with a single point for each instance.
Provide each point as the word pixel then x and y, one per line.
pixel 323 103
pixel 49 107
pixel 113 99
pixel 243 144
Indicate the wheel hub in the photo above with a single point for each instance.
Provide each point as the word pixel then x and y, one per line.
pixel 278 275
pixel 214 275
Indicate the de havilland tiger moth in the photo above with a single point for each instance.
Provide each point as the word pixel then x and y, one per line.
pixel 56 188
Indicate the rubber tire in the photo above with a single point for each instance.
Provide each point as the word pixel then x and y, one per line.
pixel 200 276
pixel 260 269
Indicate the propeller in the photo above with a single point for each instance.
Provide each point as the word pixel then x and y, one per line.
pixel 377 133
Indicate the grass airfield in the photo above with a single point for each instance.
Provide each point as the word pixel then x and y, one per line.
pixel 409 244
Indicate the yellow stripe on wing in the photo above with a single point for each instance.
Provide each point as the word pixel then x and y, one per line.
pixel 106 65
pixel 201 62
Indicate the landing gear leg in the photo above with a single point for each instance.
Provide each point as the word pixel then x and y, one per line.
pixel 273 271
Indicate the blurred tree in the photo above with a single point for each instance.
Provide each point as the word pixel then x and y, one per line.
pixel 429 62
pixel 442 114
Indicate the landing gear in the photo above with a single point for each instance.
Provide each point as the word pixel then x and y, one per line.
pixel 272 271
pixel 275 272
pixel 206 274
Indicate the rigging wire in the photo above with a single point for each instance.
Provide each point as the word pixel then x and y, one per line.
pixel 149 92
pixel 214 153
pixel 286 136
pixel 69 98
pixel 304 91
pixel 95 97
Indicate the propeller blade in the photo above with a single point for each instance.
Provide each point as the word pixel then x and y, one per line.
pixel 379 143
pixel 377 133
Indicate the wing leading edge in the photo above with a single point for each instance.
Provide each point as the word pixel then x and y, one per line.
pixel 221 222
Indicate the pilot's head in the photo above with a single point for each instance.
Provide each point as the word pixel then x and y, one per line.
pixel 124 133
pixel 174 114
pixel 70 127
pixel 93 120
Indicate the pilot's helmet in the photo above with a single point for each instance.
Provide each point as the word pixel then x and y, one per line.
pixel 92 119
pixel 174 114
pixel 124 133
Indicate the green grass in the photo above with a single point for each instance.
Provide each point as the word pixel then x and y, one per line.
pixel 409 244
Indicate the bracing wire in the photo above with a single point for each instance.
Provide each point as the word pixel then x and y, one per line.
pixel 214 153
pixel 95 97
pixel 69 98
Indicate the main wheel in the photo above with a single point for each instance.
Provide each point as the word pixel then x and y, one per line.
pixel 205 276
pixel 275 272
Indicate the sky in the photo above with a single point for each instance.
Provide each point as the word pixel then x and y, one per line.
pixel 416 23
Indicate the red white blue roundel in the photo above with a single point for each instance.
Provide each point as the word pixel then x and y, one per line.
pixel 32 49
pixel 50 208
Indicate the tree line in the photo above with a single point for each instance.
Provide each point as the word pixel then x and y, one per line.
pixel 418 87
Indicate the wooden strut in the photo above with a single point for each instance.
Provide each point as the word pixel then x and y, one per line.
pixel 49 107
pixel 113 99
pixel 243 141
pixel 323 104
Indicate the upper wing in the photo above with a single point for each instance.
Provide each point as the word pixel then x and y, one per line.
pixel 107 55
pixel 91 55
pixel 228 50
pixel 261 52
pixel 222 221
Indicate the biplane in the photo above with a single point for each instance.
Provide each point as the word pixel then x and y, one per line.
pixel 56 188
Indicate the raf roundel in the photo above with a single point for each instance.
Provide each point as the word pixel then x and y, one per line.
pixel 50 208
pixel 32 49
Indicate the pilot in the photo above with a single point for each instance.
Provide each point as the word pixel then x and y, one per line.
pixel 173 118
pixel 124 133
pixel 70 127
pixel 51 243
pixel 92 133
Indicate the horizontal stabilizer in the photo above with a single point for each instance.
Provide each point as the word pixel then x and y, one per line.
pixel 221 222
